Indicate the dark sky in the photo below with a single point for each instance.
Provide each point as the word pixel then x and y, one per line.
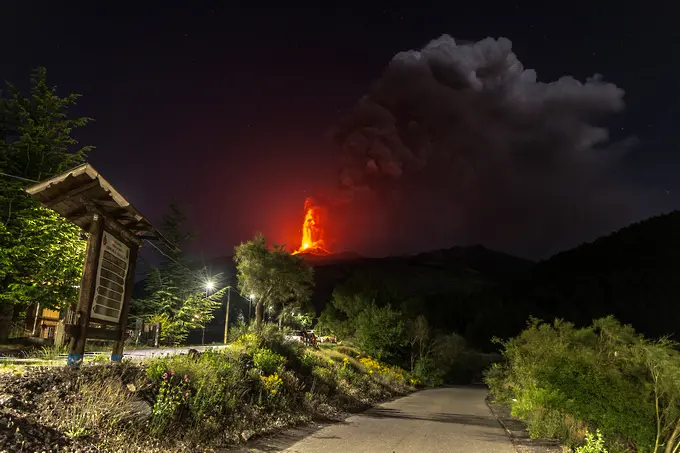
pixel 230 109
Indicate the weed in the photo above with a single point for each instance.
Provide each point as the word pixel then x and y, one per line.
pixel 594 443
pixel 100 406
pixel 173 394
pixel 267 361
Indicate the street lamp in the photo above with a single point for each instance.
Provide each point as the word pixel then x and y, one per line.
pixel 209 285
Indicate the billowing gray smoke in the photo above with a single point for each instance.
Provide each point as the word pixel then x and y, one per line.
pixel 463 145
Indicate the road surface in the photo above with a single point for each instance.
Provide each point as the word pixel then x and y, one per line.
pixel 451 420
pixel 156 352
pixel 132 354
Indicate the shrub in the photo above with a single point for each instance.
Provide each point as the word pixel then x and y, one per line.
pixel 561 379
pixel 173 394
pixel 267 361
pixel 380 331
pixel 271 384
pixel 259 382
pixel 427 372
pixel 594 444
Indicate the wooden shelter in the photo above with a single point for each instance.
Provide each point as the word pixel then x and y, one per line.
pixel 116 231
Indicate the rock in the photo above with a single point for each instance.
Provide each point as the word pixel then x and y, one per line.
pixel 140 411
pixel 247 434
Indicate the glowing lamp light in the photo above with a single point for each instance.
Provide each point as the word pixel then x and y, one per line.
pixel 210 286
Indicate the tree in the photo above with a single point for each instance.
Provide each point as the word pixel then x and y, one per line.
pixel 272 275
pixel 419 335
pixel 41 255
pixel 180 309
pixel 176 292
pixel 380 331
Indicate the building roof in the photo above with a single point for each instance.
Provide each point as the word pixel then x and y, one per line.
pixel 77 192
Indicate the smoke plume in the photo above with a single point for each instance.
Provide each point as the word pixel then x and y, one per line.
pixel 461 144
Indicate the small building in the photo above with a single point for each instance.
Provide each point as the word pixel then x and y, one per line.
pixel 42 322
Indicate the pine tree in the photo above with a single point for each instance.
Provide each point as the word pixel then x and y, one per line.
pixel 41 254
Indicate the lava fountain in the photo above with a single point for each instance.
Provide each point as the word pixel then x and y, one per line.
pixel 313 230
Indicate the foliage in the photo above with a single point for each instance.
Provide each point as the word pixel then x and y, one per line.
pixel 428 372
pixel 261 379
pixel 172 395
pixel 41 254
pixel 273 276
pixel 271 383
pixel 361 311
pixel 380 331
pixel 268 361
pixel 291 316
pixel 593 444
pixel 562 379
pixel 175 294
pixel 50 352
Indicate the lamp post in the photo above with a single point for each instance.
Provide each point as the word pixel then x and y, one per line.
pixel 226 316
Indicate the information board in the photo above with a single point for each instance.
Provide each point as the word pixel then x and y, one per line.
pixel 114 260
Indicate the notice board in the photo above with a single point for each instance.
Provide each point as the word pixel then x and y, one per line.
pixel 114 261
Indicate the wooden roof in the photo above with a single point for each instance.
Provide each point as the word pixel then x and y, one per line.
pixel 79 192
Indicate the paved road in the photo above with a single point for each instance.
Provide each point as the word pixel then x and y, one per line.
pixel 133 354
pixel 451 420
pixel 155 352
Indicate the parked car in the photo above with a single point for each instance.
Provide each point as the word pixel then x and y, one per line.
pixel 305 337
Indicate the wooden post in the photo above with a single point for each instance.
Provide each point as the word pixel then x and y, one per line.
pixel 87 287
pixel 117 353
pixel 226 317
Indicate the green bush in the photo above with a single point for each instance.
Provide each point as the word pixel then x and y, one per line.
pixel 380 331
pixel 428 372
pixel 259 382
pixel 172 395
pixel 267 361
pixel 562 380
pixel 594 444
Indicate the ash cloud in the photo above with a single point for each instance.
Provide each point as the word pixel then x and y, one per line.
pixel 463 145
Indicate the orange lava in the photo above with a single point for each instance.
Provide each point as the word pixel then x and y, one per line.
pixel 312 231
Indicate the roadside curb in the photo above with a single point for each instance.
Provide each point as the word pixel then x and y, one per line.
pixel 518 433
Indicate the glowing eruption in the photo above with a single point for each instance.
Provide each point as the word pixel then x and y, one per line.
pixel 312 230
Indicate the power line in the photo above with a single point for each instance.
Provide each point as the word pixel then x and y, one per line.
pixel 196 273
pixel 18 177
pixel 163 253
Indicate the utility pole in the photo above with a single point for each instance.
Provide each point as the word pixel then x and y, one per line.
pixel 226 316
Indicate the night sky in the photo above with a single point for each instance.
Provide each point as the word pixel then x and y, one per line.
pixel 231 110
